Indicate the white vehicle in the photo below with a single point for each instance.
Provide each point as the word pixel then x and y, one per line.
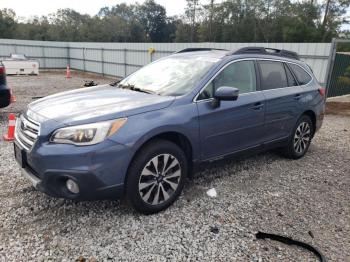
pixel 19 64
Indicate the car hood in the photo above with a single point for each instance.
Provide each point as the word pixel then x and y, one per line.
pixel 98 103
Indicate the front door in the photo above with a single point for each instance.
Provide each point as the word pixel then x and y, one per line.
pixel 234 125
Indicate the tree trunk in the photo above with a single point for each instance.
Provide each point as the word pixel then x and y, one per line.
pixel 325 20
pixel 193 18
pixel 211 19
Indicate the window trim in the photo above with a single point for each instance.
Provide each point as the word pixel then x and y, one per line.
pixel 295 77
pixel 285 62
pixel 257 73
pixel 223 68
pixel 286 68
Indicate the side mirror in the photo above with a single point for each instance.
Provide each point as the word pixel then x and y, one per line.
pixel 225 93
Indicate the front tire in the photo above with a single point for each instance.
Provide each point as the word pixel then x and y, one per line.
pixel 156 176
pixel 300 139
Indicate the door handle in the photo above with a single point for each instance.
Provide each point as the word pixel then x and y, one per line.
pixel 257 106
pixel 297 97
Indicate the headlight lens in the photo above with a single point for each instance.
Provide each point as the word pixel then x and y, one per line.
pixel 89 134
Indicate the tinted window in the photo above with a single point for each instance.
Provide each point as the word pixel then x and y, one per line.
pixel 273 75
pixel 302 77
pixel 290 77
pixel 240 75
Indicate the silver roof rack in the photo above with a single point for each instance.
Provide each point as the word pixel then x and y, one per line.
pixel 196 49
pixel 266 51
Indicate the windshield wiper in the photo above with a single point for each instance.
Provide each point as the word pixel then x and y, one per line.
pixel 143 90
pixel 115 83
pixel 134 88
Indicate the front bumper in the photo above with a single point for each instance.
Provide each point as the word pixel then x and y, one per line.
pixel 98 170
pixel 90 187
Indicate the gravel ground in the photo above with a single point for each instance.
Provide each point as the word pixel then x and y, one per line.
pixel 259 193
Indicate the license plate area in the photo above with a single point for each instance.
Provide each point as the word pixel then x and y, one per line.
pixel 20 155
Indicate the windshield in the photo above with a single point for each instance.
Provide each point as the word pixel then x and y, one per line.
pixel 171 76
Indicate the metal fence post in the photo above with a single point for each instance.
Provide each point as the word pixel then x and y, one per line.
pixel 330 64
pixel 44 56
pixel 68 56
pixel 102 61
pixel 84 66
pixel 125 62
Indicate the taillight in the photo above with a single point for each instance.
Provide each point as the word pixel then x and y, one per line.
pixel 2 70
pixel 322 91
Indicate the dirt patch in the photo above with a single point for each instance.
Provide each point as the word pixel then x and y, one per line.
pixel 29 88
pixel 77 73
pixel 338 108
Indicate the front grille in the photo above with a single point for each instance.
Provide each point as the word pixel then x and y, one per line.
pixel 27 132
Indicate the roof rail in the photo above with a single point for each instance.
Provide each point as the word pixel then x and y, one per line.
pixel 195 49
pixel 266 51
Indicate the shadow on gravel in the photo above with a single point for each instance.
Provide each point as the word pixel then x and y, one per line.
pixel 211 171
pixel 42 206
pixel 45 212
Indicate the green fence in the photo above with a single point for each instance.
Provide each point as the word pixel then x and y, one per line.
pixel 340 77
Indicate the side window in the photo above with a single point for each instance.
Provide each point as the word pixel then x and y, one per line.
pixel 290 77
pixel 239 74
pixel 273 75
pixel 302 77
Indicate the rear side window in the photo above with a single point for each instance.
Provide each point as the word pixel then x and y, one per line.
pixel 302 77
pixel 273 75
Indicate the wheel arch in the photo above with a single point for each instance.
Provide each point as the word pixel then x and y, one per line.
pixel 175 137
pixel 312 116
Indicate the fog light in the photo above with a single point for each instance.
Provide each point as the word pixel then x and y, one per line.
pixel 72 186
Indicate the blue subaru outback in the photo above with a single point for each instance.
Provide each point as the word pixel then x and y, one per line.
pixel 140 138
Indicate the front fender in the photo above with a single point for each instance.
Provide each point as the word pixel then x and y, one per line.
pixel 181 119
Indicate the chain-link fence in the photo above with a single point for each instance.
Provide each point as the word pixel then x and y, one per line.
pixel 338 77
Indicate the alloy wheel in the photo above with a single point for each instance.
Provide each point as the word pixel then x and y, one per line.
pixel 159 179
pixel 302 137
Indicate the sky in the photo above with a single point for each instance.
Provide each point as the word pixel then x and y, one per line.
pixel 29 8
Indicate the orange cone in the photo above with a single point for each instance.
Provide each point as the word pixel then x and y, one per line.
pixel 11 129
pixel 68 72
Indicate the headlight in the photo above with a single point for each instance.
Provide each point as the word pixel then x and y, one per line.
pixel 89 134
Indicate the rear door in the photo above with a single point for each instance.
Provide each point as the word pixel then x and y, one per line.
pixel 282 94
pixel 234 125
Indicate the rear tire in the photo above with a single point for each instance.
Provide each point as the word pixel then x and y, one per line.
pixel 300 139
pixel 156 176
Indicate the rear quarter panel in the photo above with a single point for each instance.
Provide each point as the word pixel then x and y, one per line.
pixel 312 100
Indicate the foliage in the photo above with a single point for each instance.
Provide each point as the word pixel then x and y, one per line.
pixel 345 78
pixel 202 21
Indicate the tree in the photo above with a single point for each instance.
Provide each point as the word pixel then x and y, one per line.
pixel 202 21
pixel 153 17
pixel 334 11
pixel 7 23
pixel 191 12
